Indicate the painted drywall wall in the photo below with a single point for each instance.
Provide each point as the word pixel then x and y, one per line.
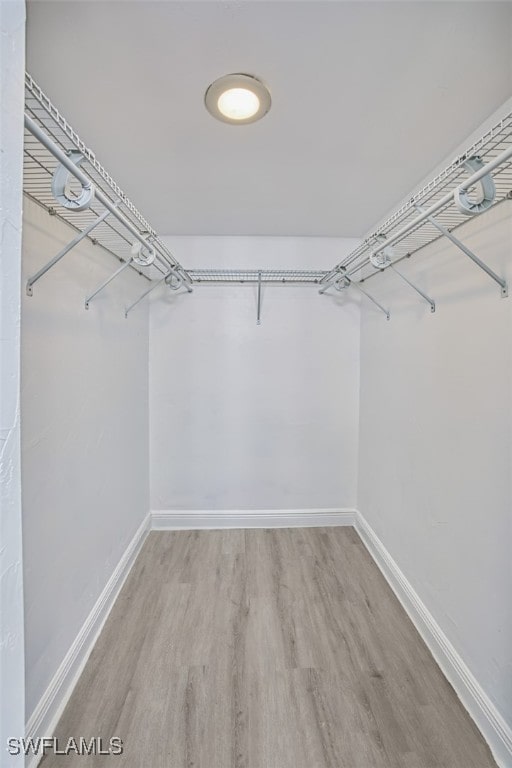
pixel 84 437
pixel 246 416
pixel 12 687
pixel 435 442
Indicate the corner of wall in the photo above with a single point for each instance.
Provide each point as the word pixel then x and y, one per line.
pixel 12 668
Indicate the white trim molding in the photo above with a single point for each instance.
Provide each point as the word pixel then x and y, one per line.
pixel 489 720
pixel 48 711
pixel 173 520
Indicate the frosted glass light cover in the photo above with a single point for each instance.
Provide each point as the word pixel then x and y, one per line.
pixel 237 99
pixel 238 103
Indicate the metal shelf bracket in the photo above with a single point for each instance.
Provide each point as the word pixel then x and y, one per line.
pixel 107 281
pixel 166 279
pixel 142 256
pixel 474 182
pixel 342 282
pixel 146 293
pixel 258 316
pixel 415 288
pixel 78 239
pixel 369 296
pixel 383 259
pixel 82 187
pixel 455 240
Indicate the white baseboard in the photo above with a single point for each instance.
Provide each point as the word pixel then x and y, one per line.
pixel 173 520
pixel 490 722
pixel 47 713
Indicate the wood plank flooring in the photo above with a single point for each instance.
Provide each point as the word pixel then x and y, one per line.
pixel 265 649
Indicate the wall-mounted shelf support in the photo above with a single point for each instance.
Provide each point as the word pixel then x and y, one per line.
pixel 343 282
pixel 369 296
pixel 63 175
pixel 383 260
pixel 107 281
pixel 441 198
pixel 166 279
pixel 455 240
pixel 60 169
pixel 65 160
pixel 78 239
pixel 146 293
pixel 258 316
pixel 447 199
pixel 415 288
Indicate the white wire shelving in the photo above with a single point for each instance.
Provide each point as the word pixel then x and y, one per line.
pixel 110 220
pixel 477 180
pixel 272 276
pixel 63 175
pixel 257 277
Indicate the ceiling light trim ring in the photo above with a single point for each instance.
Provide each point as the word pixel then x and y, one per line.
pixel 237 81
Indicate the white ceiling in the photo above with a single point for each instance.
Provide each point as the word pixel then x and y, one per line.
pixel 367 99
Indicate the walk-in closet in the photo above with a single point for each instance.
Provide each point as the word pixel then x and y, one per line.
pixel 256 360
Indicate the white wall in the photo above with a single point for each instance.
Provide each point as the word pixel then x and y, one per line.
pixel 84 437
pixel 435 442
pixel 246 416
pixel 12 60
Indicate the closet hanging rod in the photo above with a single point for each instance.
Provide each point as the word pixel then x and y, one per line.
pixel 427 213
pixel 405 256
pixel 39 184
pixel 444 232
pixel 446 199
pixel 84 180
pixel 54 153
pixel 486 164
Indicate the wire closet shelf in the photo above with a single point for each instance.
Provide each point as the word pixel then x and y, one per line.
pixel 478 179
pixel 273 276
pixel 109 219
pixel 63 175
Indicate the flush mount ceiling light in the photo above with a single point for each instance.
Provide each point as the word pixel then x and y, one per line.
pixel 237 99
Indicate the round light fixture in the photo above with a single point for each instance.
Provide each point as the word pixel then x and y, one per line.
pixel 237 99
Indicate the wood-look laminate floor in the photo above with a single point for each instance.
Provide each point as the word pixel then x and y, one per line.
pixel 265 649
